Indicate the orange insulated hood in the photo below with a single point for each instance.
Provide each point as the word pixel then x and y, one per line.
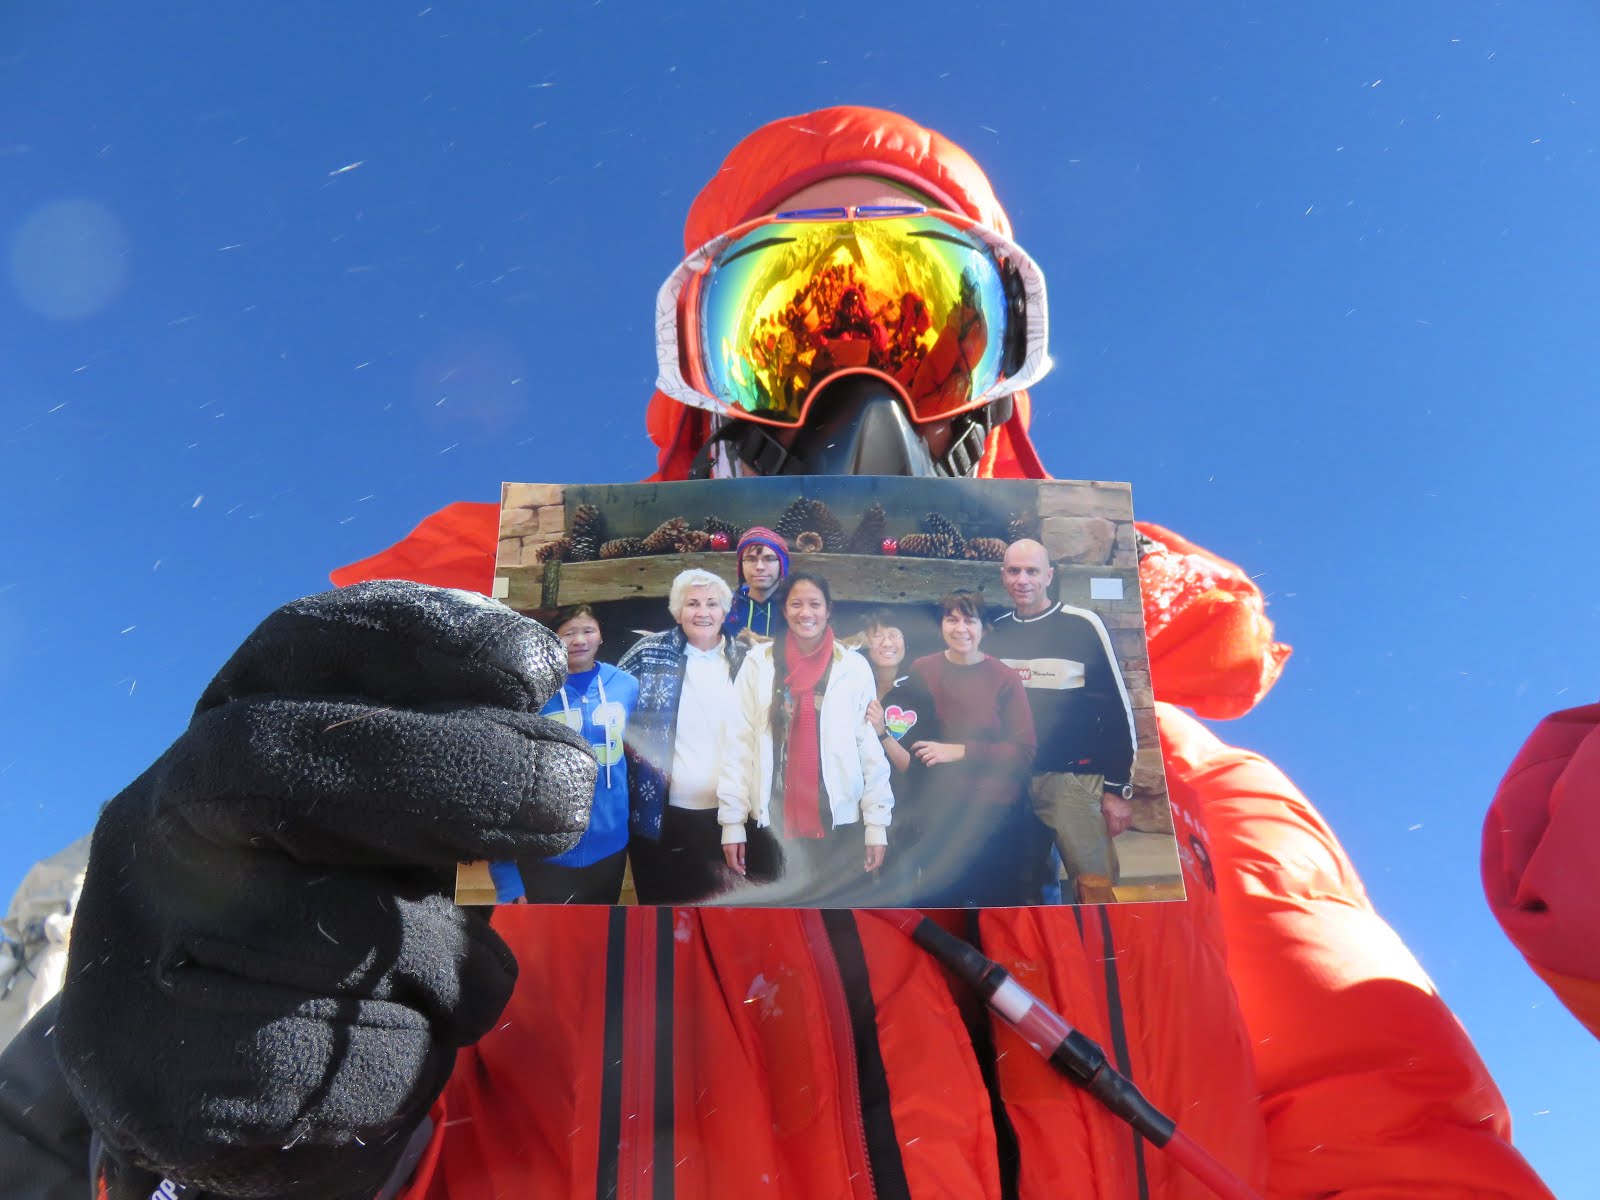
pixel 778 160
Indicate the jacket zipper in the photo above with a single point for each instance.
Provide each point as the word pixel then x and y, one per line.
pixel 863 1185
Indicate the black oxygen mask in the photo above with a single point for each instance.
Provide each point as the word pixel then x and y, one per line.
pixel 858 426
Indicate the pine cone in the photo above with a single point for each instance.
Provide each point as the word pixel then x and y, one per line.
pixel 805 514
pixel 793 519
pixel 718 525
pixel 985 549
pixel 692 541
pixel 622 548
pixel 1024 525
pixel 664 538
pixel 581 549
pixel 928 545
pixel 834 537
pixel 869 535
pixel 588 522
pixel 941 526
pixel 807 541
pixel 554 551
pixel 921 545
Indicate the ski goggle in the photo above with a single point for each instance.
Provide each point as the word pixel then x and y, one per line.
pixel 757 319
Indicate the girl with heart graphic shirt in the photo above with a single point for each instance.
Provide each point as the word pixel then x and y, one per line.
pixel 884 643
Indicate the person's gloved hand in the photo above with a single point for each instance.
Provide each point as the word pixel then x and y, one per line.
pixel 267 983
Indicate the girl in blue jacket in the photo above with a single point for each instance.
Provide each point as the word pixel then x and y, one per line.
pixel 596 703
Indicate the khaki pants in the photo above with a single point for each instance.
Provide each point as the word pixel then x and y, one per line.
pixel 1070 805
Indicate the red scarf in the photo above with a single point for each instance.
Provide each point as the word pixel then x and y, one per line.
pixel 803 755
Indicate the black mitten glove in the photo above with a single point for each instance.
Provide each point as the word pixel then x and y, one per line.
pixel 267 984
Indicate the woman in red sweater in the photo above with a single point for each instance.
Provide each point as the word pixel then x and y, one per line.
pixel 963 758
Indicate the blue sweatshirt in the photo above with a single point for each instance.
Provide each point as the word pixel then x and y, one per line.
pixel 758 616
pixel 597 704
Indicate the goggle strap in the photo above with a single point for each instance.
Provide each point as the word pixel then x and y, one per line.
pixel 751 444
pixel 965 452
pixel 971 436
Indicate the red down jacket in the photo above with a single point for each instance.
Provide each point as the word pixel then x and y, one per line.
pixel 704 1053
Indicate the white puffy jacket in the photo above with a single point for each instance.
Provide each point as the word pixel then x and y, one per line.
pixel 854 767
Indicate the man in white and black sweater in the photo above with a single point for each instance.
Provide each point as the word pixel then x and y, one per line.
pixel 1082 781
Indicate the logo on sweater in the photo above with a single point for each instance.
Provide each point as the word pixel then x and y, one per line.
pixel 898 721
pixel 1050 674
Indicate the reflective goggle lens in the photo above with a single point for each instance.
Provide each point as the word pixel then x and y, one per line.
pixel 793 301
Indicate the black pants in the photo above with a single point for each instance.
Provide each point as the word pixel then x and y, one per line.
pixel 686 865
pixel 598 883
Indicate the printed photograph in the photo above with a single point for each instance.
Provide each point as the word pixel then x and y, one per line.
pixel 845 692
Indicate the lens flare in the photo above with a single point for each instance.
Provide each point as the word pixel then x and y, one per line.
pixel 69 259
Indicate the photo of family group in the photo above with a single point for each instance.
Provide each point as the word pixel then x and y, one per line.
pixel 854 692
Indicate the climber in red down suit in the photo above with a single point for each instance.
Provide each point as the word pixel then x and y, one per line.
pixel 323 1025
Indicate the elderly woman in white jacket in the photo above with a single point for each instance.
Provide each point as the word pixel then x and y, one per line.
pixel 802 759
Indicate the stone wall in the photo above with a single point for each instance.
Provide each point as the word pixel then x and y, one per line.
pixel 531 515
pixel 1088 525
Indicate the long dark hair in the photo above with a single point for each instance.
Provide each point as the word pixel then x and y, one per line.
pixel 779 666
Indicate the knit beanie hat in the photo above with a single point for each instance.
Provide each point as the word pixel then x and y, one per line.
pixel 760 535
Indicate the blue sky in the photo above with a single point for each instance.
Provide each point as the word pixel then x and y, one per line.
pixel 1324 288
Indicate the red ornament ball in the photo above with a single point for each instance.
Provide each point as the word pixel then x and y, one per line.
pixel 719 541
pixel 891 546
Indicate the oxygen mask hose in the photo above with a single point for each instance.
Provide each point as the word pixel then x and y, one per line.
pixel 1073 1054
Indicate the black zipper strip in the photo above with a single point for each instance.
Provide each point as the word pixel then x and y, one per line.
pixel 975 1015
pixel 1119 1040
pixel 608 1150
pixel 872 1081
pixel 664 1167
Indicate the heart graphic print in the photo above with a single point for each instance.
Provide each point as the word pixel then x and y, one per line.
pixel 898 721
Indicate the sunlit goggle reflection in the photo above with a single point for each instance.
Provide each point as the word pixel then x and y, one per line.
pixel 926 300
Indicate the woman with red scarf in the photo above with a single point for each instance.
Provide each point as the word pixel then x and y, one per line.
pixel 802 758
